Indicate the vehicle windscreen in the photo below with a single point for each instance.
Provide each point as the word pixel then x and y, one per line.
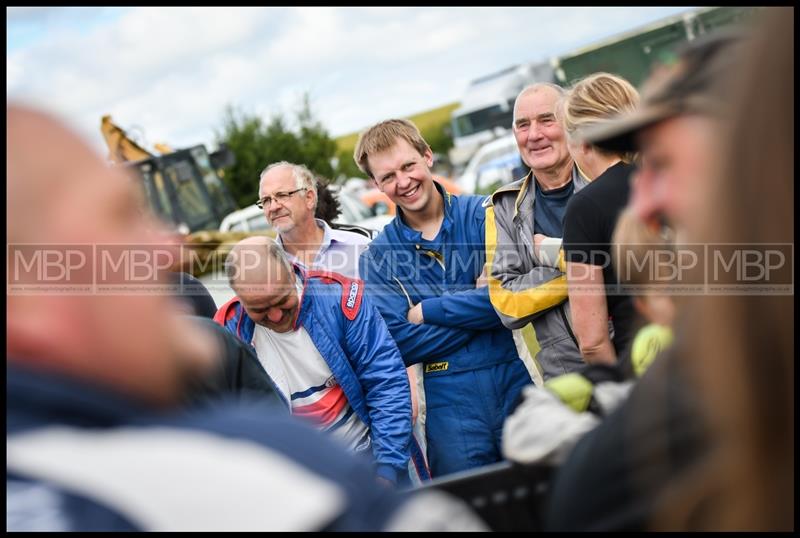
pixel 483 119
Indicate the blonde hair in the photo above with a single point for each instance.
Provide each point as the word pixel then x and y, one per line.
pixel 596 99
pixel 634 245
pixel 383 136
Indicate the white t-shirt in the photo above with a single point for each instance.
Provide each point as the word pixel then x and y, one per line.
pixel 293 362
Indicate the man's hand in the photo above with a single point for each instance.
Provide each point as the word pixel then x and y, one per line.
pixel 483 280
pixel 546 250
pixel 537 242
pixel 415 314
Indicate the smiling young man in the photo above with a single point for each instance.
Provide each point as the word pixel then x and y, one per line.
pixel 421 272
pixel 326 349
pixel 526 216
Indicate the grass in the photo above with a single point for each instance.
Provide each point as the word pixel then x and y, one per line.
pixel 428 121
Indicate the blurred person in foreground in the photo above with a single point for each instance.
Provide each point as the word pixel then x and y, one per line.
pixel 705 440
pixel 94 437
pixel 638 248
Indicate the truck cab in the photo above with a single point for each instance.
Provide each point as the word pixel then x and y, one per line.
pixel 184 189
pixel 487 107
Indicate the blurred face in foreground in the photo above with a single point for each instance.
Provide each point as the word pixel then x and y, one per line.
pixel 120 333
pixel 678 158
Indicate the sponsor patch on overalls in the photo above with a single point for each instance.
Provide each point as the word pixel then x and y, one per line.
pixel 351 298
pixel 435 367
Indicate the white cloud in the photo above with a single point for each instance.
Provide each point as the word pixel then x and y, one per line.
pixel 173 70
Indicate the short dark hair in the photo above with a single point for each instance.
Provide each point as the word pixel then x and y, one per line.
pixel 328 206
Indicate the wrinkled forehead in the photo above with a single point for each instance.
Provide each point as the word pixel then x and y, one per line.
pixel 42 154
pixel 394 156
pixel 67 189
pixel 277 180
pixel 264 291
pixel 536 101
pixel 257 294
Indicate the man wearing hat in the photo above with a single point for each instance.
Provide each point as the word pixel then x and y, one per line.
pixel 674 130
pixel 615 475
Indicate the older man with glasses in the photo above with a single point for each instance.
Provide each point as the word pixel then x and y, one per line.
pixel 288 195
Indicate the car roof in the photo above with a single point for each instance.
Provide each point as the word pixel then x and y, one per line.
pixel 240 215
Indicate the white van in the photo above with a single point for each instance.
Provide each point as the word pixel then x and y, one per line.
pixel 353 211
pixel 495 161
pixel 487 107
pixel 249 219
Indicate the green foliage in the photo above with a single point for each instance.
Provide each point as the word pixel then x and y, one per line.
pixel 347 143
pixel 256 145
pixel 245 136
pixel 346 166
pixel 435 127
pixel 316 145
pixel 439 140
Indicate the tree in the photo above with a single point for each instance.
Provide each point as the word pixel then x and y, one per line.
pixel 316 145
pixel 244 136
pixel 439 138
pixel 256 145
pixel 345 165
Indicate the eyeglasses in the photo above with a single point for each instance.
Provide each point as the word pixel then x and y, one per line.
pixel 280 197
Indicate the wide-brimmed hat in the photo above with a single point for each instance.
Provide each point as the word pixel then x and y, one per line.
pixel 695 84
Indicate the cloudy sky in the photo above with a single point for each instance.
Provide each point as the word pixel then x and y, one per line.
pixel 167 74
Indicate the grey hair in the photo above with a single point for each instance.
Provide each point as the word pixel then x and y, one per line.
pixel 535 87
pixel 267 250
pixel 303 177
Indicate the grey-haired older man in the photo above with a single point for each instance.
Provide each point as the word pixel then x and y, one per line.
pixel 288 195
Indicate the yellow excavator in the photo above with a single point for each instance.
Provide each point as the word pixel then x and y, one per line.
pixel 184 187
pixel 121 148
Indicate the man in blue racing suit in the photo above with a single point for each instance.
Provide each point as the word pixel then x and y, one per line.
pixel 423 273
